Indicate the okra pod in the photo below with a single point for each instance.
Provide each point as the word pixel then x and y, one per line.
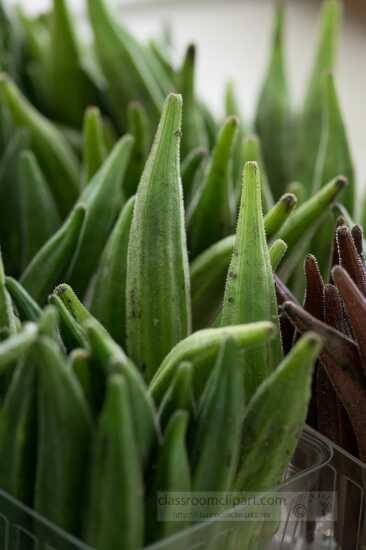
pixel 69 85
pixel 194 134
pixel 52 261
pixel 215 447
pixel 17 433
pixel 116 478
pixel 57 160
pixel 210 216
pixel 38 211
pixel 108 302
pixel 180 394
pixel 116 47
pixel 250 291
pixel 310 123
pixel 201 349
pixel 158 300
pixel 72 334
pixel 334 155
pixel 190 166
pixel 94 144
pixel 275 417
pixel 27 308
pixel 103 199
pixel 172 475
pixel 139 128
pixel 64 437
pixel 273 116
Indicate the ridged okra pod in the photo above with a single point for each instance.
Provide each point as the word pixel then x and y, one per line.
pixel 27 308
pixel 158 296
pixel 180 394
pixel 95 149
pixel 216 436
pixel 172 475
pixel 50 265
pixel 56 158
pixel 275 417
pixel 115 515
pixel 14 347
pixel 108 302
pixel 64 437
pixel 194 134
pixel 103 199
pixel 39 218
pixel 139 128
pixel 334 156
pixel 310 123
pixel 250 294
pixel 18 433
pixel 210 216
pixel 117 48
pixel 273 117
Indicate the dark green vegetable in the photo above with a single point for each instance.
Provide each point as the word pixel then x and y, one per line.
pixel 116 478
pixel 52 261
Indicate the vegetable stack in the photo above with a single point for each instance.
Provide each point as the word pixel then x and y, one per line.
pixel 141 350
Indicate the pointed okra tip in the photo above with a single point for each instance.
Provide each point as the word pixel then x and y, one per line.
pixel 251 170
pixel 191 53
pixel 312 342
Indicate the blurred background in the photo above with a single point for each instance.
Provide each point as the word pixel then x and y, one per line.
pixel 233 39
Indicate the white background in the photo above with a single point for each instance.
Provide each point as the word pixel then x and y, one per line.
pixel 233 40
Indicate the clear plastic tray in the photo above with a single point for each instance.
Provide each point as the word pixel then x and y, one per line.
pixel 318 468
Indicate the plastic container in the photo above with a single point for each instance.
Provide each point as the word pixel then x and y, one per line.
pixel 322 507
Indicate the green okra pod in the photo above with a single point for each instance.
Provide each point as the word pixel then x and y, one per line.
pixel 216 436
pixel 190 166
pixel 27 308
pixel 95 149
pixel 57 160
pixel 158 300
pixel 14 347
pixel 252 152
pixel 180 394
pixel 48 323
pixel 172 475
pixel 194 133
pixel 103 199
pixel 273 116
pixel 7 315
pixel 232 109
pixel 17 433
pixel 52 261
pixel 64 437
pixel 201 349
pixel 275 417
pixel 116 478
pixel 70 89
pixel 139 128
pixel 10 197
pixel 209 270
pixel 116 47
pixel 310 123
pixel 250 294
pixel 39 218
pixel 80 362
pixel 108 302
pixel 210 216
pixel 334 155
